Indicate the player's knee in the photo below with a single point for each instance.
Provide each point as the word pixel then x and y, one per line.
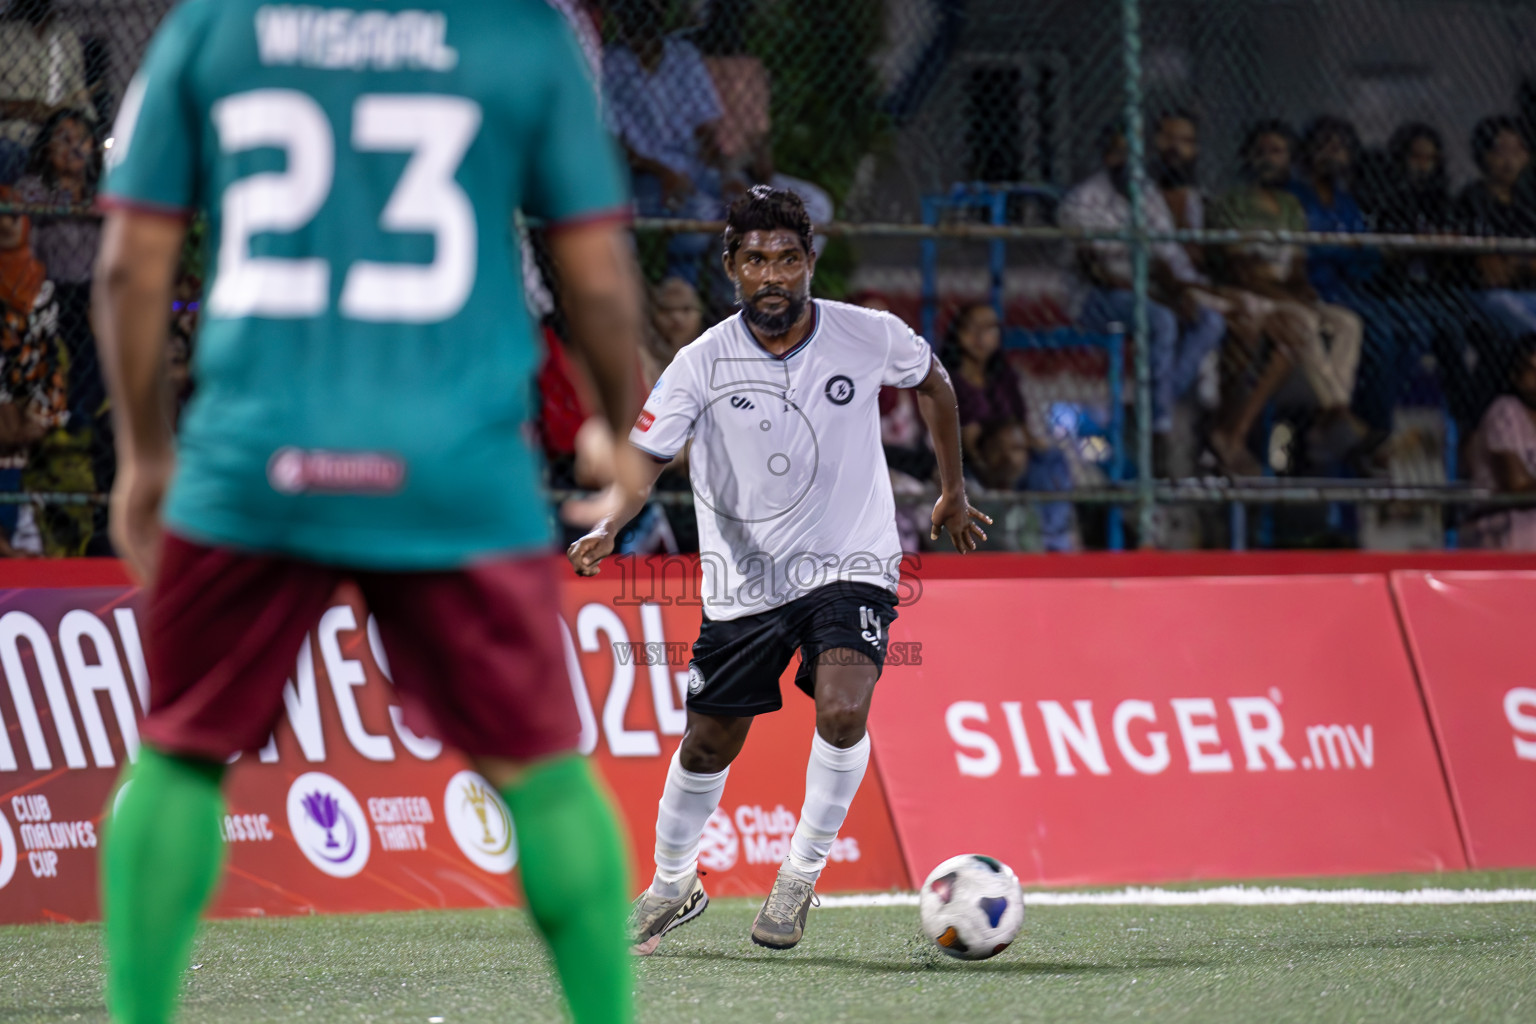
pixel 704 756
pixel 842 725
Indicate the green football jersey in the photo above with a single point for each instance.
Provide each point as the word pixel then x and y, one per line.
pixel 364 368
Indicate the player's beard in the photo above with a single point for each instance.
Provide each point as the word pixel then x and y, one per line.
pixel 772 324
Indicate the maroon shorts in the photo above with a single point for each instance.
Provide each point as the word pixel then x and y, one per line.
pixel 475 653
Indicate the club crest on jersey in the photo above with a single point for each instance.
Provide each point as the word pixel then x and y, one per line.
pixel 839 390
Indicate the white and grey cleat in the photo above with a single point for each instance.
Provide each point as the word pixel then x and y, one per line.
pixel 781 922
pixel 653 916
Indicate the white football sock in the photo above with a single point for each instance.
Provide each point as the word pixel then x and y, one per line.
pixel 831 779
pixel 687 801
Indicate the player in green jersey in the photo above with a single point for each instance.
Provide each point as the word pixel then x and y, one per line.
pixel 362 396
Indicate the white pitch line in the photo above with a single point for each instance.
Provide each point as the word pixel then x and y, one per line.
pixel 1225 896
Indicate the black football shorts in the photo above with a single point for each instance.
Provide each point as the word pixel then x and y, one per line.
pixel 737 662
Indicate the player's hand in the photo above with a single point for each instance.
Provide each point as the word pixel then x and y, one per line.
pixel 137 496
pixel 587 552
pixel 954 514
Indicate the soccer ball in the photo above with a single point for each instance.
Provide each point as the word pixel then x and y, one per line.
pixel 971 906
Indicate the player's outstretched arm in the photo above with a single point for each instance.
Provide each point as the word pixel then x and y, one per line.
pixel 131 312
pixel 614 508
pixel 952 512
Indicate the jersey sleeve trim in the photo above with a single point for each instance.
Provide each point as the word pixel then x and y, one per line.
pixel 655 455
pixel 110 204
pixel 611 215
pixel 932 362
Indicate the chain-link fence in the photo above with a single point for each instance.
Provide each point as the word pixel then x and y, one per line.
pixel 1207 272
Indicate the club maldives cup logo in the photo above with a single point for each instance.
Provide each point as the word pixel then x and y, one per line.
pixel 328 825
pixel 7 851
pixel 720 845
pixel 480 823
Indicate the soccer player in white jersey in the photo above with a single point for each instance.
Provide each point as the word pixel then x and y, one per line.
pixel 797 538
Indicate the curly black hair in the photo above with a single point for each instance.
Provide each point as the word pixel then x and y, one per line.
pixel 38 160
pixel 765 208
pixel 1329 127
pixel 1401 143
pixel 1486 135
pixel 950 353
pixel 1259 129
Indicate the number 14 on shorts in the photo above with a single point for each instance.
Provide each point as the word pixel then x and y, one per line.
pixel 869 624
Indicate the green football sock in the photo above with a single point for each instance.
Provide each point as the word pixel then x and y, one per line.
pixel 161 857
pixel 576 877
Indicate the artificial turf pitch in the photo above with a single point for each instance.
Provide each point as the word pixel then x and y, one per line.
pixel 1218 963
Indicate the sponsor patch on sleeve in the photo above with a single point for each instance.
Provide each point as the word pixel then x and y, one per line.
pixel 644 422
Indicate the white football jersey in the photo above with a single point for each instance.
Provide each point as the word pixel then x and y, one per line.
pixel 789 478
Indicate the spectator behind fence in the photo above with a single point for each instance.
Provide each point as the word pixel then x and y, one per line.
pixel 662 106
pixel 39 454
pixel 986 388
pixel 1349 276
pixel 1327 156
pixel 1183 330
pixel 1506 284
pixel 1008 460
pixel 1270 279
pixel 909 458
pixel 1503 458
pixel 1176 169
pixel 63 170
pixel 677 318
pixel 44 71
pixel 21 281
pixel 1417 291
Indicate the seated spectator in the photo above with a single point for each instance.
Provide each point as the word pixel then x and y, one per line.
pixel 1415 290
pixel 21 281
pixel 44 71
pixel 1182 329
pixel 1008 462
pixel 1176 170
pixel 1506 284
pixel 1346 276
pixel 662 106
pixel 986 388
pixel 909 456
pixel 34 408
pixel 677 319
pixel 62 171
pixel 1282 319
pixel 1328 152
pixel 1503 459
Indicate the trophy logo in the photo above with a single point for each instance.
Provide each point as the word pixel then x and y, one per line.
pixel 327 824
pixel 480 823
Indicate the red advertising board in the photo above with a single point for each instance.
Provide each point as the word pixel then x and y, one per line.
pixel 346 809
pixel 1468 636
pixel 1093 731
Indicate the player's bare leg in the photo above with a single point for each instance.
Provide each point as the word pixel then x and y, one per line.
pixel 573 862
pixel 845 682
pixel 695 783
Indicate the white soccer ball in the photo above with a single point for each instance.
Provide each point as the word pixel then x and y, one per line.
pixel 972 906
